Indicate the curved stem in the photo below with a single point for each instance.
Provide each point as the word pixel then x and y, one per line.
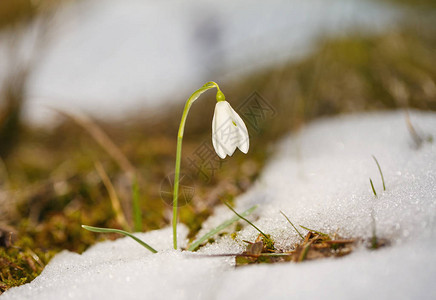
pixel 194 96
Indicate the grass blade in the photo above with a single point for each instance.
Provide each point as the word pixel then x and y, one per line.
pixel 292 225
pixel 373 189
pixel 381 173
pixel 231 208
pixel 137 214
pixel 220 227
pixel 111 230
pixel 318 232
pixel 305 251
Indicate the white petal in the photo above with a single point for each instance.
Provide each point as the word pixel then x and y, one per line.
pixel 219 149
pixel 244 140
pixel 229 147
pixel 228 131
pixel 216 121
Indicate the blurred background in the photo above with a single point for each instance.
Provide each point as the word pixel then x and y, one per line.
pixel 91 95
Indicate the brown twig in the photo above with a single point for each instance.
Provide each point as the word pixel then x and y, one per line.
pixel 102 139
pixel 119 214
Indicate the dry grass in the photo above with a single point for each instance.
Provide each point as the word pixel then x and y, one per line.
pixel 314 246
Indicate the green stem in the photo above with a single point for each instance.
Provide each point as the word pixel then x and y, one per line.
pixel 188 104
pixel 137 214
pixel 176 188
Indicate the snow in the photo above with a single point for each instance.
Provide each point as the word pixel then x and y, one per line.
pixel 110 57
pixel 320 178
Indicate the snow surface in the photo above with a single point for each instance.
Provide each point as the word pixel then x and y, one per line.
pixel 111 57
pixel 320 178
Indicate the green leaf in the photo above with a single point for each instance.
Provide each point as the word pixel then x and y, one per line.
pixel 220 227
pixel 111 230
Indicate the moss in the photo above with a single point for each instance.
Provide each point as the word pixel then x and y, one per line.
pixel 21 264
pixel 268 243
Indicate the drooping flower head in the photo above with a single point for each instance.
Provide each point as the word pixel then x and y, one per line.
pixel 228 129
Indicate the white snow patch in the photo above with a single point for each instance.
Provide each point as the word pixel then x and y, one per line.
pixel 320 179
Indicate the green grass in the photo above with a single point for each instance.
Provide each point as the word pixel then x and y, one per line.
pixel 267 240
pixel 111 230
pixel 219 228
pixel 137 213
pixel 289 221
pixel 381 173
pixel 311 230
pixel 372 187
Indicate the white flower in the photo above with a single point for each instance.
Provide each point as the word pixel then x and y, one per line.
pixel 228 131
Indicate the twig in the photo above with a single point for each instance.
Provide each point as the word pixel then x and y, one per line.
pixel 119 214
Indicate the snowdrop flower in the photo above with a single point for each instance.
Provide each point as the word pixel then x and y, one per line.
pixel 228 133
pixel 228 130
